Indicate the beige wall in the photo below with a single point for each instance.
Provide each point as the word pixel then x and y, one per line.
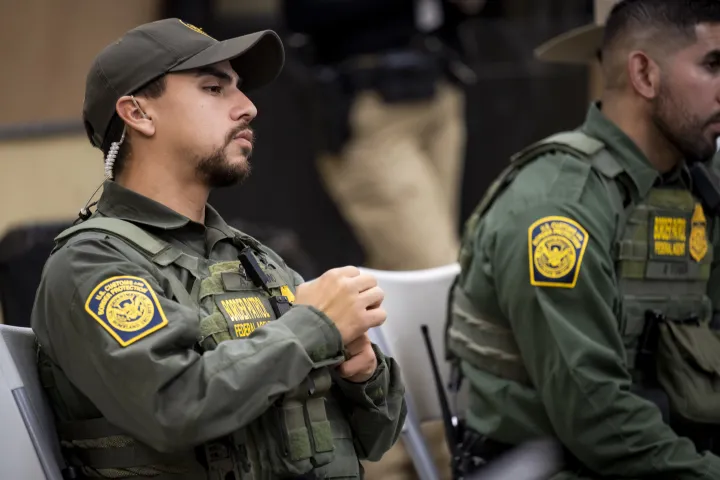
pixel 46 179
pixel 46 47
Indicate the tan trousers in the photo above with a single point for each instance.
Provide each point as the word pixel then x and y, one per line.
pixel 397 181
pixel 396 464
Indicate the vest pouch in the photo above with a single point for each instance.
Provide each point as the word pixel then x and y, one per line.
pixel 303 425
pixel 213 330
pixel 317 418
pixel 272 449
pixel 688 365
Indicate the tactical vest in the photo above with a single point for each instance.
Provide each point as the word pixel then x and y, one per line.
pixel 662 259
pixel 292 438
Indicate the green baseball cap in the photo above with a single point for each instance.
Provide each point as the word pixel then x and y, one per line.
pixel 170 45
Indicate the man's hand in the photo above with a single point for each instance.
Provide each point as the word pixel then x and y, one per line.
pixel 362 363
pixel 350 299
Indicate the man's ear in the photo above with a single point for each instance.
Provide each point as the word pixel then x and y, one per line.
pixel 131 111
pixel 644 74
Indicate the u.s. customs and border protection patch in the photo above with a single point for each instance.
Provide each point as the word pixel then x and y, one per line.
pixel 556 246
pixel 698 234
pixel 127 308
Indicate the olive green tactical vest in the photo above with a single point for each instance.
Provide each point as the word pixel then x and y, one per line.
pixel 662 259
pixel 292 438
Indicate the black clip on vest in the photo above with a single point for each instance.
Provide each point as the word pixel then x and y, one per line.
pixel 280 304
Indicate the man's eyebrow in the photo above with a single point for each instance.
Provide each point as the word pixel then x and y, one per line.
pixel 217 73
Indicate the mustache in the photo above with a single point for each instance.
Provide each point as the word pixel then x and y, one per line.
pixel 240 129
pixel 713 120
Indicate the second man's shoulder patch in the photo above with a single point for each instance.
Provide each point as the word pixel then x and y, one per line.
pixel 556 246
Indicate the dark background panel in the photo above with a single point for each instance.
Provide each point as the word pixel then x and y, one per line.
pixel 516 101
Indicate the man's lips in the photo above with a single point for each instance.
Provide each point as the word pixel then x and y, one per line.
pixel 244 135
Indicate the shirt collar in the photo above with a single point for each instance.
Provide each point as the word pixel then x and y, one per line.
pixel 120 202
pixel 642 173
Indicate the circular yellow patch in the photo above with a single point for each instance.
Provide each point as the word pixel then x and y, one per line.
pixel 130 311
pixel 555 256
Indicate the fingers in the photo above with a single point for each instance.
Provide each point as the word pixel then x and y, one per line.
pixel 358 345
pixel 372 297
pixel 363 282
pixel 365 363
pixel 347 271
pixel 375 317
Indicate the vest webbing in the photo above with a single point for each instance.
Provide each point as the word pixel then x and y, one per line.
pixel 309 433
pixel 158 251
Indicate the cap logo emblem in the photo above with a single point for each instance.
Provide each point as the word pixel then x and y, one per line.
pixel 195 29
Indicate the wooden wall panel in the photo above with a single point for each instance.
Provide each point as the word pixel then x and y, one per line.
pixel 46 47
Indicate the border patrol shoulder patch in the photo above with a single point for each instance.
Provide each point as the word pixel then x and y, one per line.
pixel 556 246
pixel 127 308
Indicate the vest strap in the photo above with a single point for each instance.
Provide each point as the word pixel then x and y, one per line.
pixel 135 235
pixel 575 142
pixel 180 292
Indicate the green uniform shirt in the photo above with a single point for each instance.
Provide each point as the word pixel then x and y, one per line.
pixel 159 388
pixel 569 338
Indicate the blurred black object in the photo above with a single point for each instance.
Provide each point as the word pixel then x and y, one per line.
pixel 23 252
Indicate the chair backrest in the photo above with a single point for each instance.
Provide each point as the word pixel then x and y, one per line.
pixel 28 444
pixel 414 298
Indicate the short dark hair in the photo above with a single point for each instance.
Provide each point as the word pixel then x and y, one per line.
pixel 668 17
pixel 153 89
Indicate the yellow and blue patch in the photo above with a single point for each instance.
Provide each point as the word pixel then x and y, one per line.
pixel 127 308
pixel 556 246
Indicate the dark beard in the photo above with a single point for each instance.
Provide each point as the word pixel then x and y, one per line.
pixel 215 170
pixel 681 129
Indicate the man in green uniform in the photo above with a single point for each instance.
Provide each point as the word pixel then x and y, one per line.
pixel 172 346
pixel 585 306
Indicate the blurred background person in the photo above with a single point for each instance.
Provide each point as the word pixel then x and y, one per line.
pixel 387 103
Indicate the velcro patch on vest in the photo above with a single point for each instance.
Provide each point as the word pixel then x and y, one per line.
pixel 127 308
pixel 556 246
pixel 668 236
pixel 244 314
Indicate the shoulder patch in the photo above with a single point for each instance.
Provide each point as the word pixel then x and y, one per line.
pixel 127 308
pixel 556 246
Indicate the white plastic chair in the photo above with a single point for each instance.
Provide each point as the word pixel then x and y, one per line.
pixel 412 299
pixel 29 448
